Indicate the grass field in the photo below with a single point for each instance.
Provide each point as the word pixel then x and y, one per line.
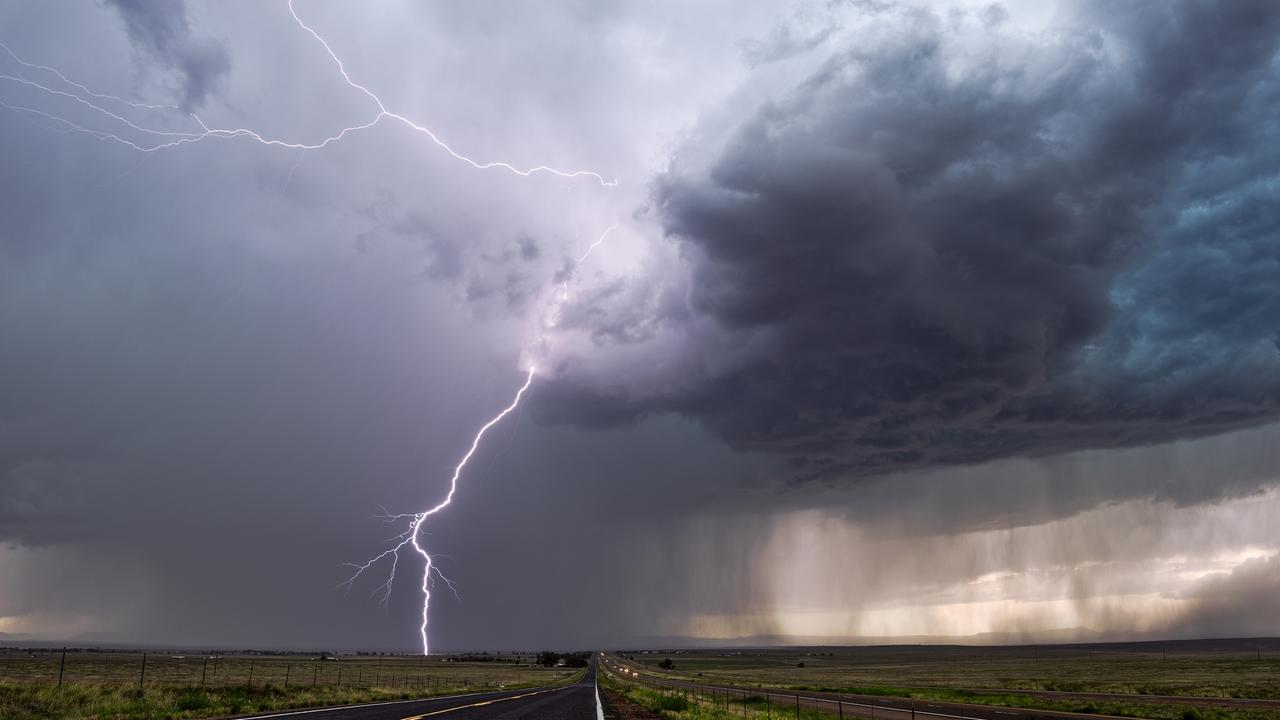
pixel 675 705
pixel 1241 669
pixel 97 686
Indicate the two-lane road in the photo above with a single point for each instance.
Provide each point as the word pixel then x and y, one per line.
pixel 566 702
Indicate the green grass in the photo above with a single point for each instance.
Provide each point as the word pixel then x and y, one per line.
pixel 680 705
pixel 675 705
pixel 167 697
pixel 1242 673
pixel 103 702
pixel 1119 707
pixel 994 676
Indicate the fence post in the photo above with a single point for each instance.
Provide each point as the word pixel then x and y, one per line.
pixel 250 684
pixel 287 669
pixel 913 709
pixel 315 673
pixel 143 673
pixel 797 706
pixel 840 704
pixel 339 673
pixel 62 666
pixel 204 670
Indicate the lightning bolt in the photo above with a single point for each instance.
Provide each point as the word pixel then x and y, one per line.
pixel 410 536
pixel 166 139
pixel 564 286
pixel 148 138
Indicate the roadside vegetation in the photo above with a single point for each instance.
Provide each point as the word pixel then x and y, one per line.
pixel 1229 669
pixel 632 702
pixel 112 702
pixel 102 687
pixel 1124 679
pixel 678 704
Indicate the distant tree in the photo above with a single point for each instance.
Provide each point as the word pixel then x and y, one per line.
pixel 800 664
pixel 666 664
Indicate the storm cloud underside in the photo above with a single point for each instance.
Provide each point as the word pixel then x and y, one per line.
pixel 970 307
pixel 954 243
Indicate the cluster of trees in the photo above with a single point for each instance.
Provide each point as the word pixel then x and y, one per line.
pixel 481 657
pixel 549 658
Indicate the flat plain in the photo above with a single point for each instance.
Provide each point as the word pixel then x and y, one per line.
pixel 41 683
pixel 1247 668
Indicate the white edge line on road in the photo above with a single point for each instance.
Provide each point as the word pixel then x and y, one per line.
pixel 376 704
pixel 599 709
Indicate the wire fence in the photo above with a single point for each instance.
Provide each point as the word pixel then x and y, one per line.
pixel 145 669
pixel 762 703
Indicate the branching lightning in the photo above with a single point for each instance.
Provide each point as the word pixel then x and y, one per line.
pixel 165 139
pixel 410 536
pixel 148 138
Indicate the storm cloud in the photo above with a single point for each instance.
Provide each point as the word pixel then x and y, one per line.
pixel 160 27
pixel 963 301
pixel 954 242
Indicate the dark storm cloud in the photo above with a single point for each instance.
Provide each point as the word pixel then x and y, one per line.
pixel 160 27
pixel 931 254
pixel 216 360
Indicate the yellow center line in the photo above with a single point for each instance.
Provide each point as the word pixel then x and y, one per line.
pixel 486 702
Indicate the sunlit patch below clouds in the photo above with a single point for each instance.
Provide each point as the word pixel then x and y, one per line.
pixel 1131 569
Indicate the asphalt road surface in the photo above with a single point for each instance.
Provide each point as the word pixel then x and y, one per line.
pixel 566 702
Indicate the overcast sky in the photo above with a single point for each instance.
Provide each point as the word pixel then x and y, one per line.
pixel 917 319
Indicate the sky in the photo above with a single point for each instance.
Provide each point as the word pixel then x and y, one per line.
pixel 945 319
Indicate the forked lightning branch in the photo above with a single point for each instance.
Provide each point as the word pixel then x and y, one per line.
pixel 109 122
